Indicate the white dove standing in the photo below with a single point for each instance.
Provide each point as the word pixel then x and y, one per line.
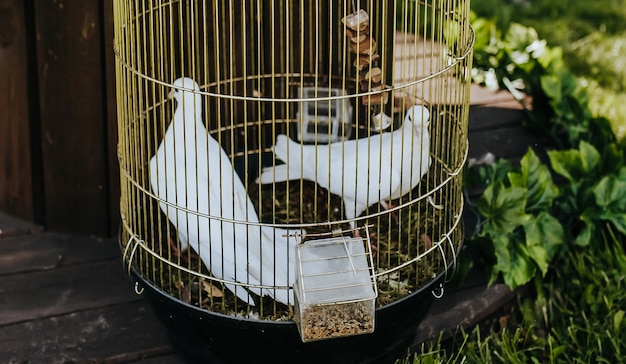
pixel 192 172
pixel 363 171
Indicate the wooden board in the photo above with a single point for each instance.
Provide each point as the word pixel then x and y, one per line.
pixel 111 120
pixel 456 311
pixel 60 291
pixel 463 307
pixel 510 143
pixel 12 226
pixel 70 71
pixel 48 251
pixel 494 117
pixel 116 334
pixel 16 193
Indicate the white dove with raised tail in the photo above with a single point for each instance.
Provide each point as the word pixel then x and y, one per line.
pixel 191 174
pixel 362 171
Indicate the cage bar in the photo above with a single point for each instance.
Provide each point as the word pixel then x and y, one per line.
pixel 224 239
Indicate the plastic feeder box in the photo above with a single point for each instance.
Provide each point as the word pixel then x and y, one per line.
pixel 335 293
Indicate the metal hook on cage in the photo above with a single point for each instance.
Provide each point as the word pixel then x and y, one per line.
pixel 433 204
pixel 440 294
pixel 137 290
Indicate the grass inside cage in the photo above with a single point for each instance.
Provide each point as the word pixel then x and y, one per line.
pixel 395 238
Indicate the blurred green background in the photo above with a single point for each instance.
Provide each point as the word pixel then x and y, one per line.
pixel 592 34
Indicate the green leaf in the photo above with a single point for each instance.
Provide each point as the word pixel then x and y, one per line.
pixel 622 174
pixel 536 178
pixel 544 231
pixel 617 219
pixel 502 256
pixel 515 264
pixel 575 164
pixel 617 320
pixel 584 237
pixel 610 193
pixel 566 163
pixel 589 156
pixel 503 207
pixel 539 255
pixel 551 86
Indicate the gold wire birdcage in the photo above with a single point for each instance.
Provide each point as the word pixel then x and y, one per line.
pixel 250 128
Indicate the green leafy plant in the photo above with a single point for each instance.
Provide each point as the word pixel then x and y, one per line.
pixel 523 215
pixel 518 223
pixel 523 211
pixel 594 191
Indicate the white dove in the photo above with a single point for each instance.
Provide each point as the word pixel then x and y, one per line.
pixel 363 171
pixel 192 172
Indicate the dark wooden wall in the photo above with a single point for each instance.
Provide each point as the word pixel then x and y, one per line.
pixel 57 114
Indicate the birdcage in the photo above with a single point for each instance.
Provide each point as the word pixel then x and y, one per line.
pixel 252 131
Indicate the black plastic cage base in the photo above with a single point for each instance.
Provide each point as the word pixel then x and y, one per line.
pixel 207 337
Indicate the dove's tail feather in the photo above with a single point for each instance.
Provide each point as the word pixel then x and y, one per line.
pixel 283 296
pixel 280 147
pixel 285 150
pixel 241 293
pixel 279 173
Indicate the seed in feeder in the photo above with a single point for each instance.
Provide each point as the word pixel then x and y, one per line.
pixel 327 321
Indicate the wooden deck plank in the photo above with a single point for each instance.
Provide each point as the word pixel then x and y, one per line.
pixel 165 359
pixel 461 309
pixel 12 226
pixel 116 334
pixel 49 250
pixel 41 294
pixel 489 117
pixel 512 144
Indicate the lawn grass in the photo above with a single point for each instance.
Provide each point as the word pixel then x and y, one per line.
pixel 577 316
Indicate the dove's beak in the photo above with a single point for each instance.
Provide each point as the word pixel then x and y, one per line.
pixel 170 95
